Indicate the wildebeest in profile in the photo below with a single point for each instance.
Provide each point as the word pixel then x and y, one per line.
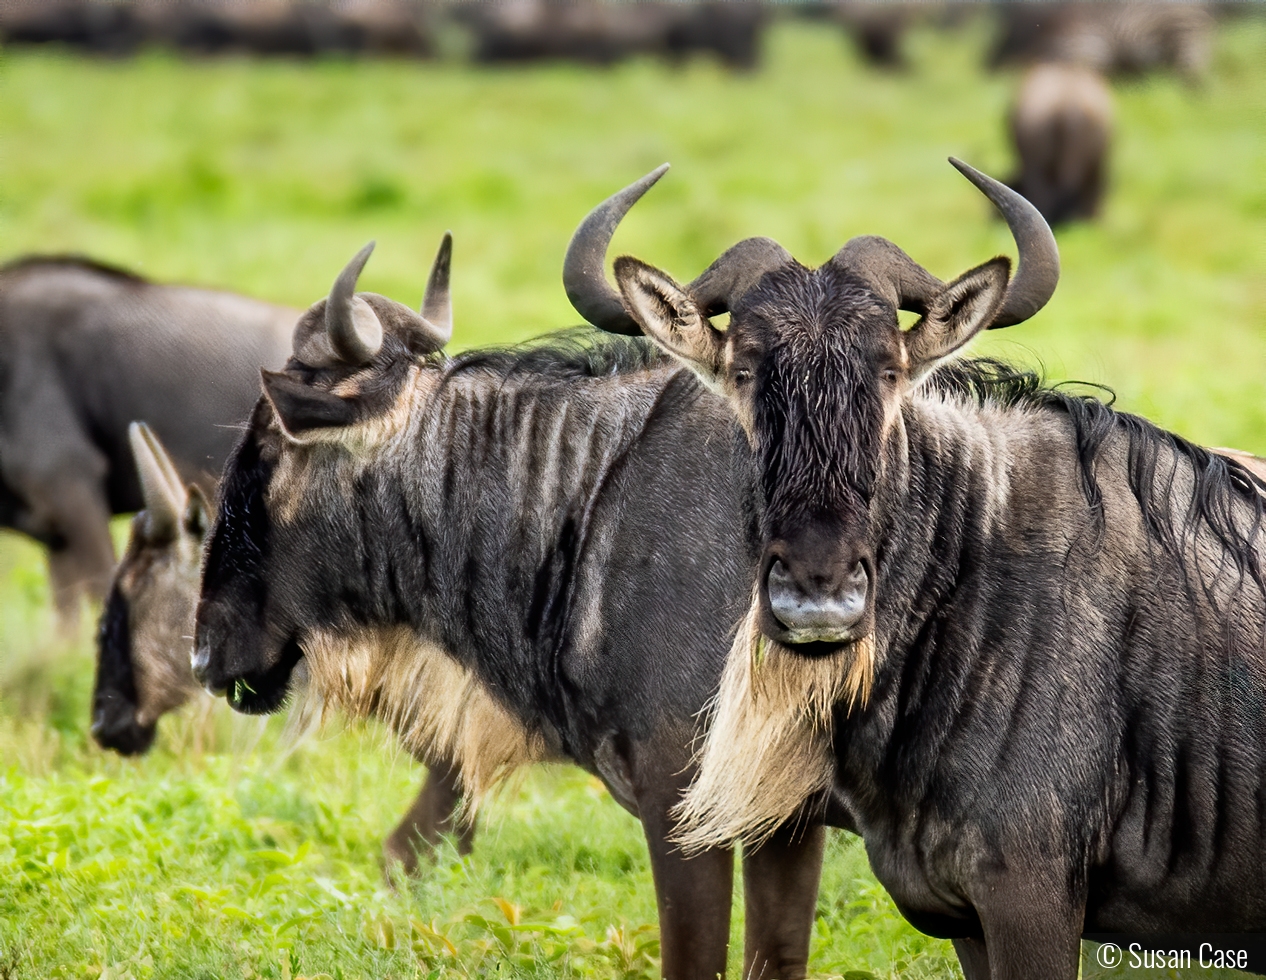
pixel 100 28
pixel 1019 636
pixel 507 556
pixel 84 350
pixel 259 27
pixel 605 33
pixel 877 29
pixel 145 642
pixel 1112 38
pixel 1061 127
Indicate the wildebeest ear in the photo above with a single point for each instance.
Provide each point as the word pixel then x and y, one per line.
pixel 197 517
pixel 668 315
pixel 957 313
pixel 300 407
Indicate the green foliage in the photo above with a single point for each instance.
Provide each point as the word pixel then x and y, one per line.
pixel 228 852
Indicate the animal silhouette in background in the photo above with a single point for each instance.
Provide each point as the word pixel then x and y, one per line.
pixel 85 348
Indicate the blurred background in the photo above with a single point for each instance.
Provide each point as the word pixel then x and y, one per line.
pixel 254 146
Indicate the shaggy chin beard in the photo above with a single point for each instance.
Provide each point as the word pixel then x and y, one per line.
pixel 440 711
pixel 768 747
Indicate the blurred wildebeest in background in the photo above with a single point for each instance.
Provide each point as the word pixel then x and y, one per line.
pixel 299 28
pixel 876 29
pixel 101 28
pixel 145 642
pixel 85 349
pixel 604 33
pixel 1061 127
pixel 1020 636
pixel 496 555
pixel 1114 38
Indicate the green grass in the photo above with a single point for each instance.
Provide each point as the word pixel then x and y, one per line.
pixel 221 855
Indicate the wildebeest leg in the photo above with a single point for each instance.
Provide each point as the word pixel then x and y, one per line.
pixel 693 894
pixel 82 556
pixel 780 889
pixel 973 958
pixel 429 819
pixel 1032 928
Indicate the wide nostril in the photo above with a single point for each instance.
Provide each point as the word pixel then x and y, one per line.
pixel 820 611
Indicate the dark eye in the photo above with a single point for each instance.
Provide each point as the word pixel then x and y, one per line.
pixel 742 376
pixel 890 376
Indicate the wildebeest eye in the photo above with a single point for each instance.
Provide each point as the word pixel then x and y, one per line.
pixel 889 376
pixel 742 376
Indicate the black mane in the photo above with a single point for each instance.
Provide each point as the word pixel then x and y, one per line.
pixel 1218 480
pixel 569 354
pixel 72 262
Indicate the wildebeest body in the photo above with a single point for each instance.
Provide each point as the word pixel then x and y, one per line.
pixel 1061 126
pixel 84 351
pixel 1034 627
pixel 465 549
pixel 1054 685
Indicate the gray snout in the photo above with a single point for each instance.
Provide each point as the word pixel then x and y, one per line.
pixel 200 662
pixel 818 617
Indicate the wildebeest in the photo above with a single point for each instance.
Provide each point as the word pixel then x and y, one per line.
pixel 85 349
pixel 605 33
pixel 1061 126
pixel 1113 38
pixel 260 27
pixel 470 549
pixel 145 642
pixel 1018 635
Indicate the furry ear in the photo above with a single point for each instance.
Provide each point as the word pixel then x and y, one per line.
pixel 957 313
pixel 197 517
pixel 668 315
pixel 300 407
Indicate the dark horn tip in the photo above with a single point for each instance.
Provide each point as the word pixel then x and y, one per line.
pixel 1037 273
pixel 584 275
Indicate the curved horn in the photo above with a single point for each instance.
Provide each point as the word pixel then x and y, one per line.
pixel 437 303
pixel 584 266
pixel 1038 272
pixel 736 270
pixel 350 322
pixel 889 271
pixel 161 490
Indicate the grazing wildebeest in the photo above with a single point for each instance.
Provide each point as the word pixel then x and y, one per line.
pixel 1113 38
pixel 145 642
pixel 1020 636
pixel 1061 126
pixel 84 350
pixel 605 33
pixel 471 550
pixel 100 28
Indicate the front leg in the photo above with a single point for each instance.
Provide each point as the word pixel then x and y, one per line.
pixel 973 958
pixel 780 889
pixel 693 894
pixel 429 819
pixel 1032 926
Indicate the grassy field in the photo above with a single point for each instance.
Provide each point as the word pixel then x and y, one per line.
pixel 230 853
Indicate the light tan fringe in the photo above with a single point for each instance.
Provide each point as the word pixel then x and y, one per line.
pixel 438 708
pixel 768 746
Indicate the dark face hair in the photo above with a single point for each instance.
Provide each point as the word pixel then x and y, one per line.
pixel 114 700
pixel 814 354
pixel 254 669
pixel 352 355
